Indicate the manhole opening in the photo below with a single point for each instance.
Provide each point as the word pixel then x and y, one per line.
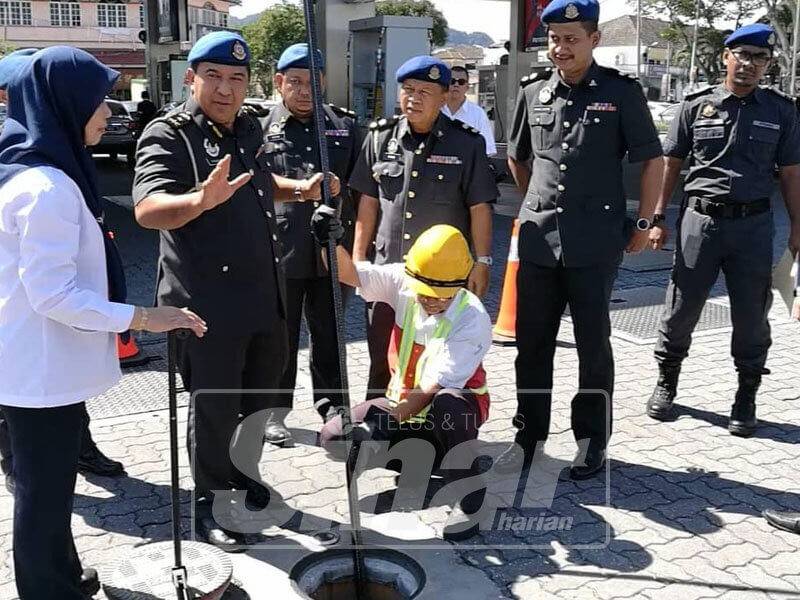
pixel 390 575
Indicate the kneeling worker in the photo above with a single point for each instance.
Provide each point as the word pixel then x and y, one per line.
pixel 437 390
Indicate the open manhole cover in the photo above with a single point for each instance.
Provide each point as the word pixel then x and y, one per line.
pixel 636 314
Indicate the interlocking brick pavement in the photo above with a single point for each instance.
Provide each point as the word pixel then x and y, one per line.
pixel 685 497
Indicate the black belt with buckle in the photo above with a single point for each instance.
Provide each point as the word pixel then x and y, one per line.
pixel 729 210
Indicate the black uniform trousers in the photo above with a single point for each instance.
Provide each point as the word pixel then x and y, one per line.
pixel 313 297
pixel 45 443
pixel 380 322
pixel 7 456
pixel 234 380
pixel 543 294
pixel 742 250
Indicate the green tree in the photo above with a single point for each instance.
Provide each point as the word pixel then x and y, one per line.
pixel 710 39
pixel 6 48
pixel 277 28
pixel 417 8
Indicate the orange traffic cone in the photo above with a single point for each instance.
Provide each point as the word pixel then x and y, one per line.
pixel 505 330
pixel 129 354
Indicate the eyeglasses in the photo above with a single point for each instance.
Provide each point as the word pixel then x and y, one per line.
pixel 459 82
pixel 760 59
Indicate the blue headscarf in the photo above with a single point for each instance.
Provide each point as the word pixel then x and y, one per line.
pixel 11 63
pixel 51 98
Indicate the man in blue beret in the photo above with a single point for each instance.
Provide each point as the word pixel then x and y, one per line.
pixel 735 135
pixel 572 127
pixel 416 170
pixel 203 179
pixel 293 151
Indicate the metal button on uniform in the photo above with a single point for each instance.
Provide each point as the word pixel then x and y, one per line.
pixel 409 215
pixel 412 194
pixel 307 129
pixel 562 166
pixel 406 236
pixel 308 148
pixel 252 172
pixel 569 102
pixel 559 209
pixel 560 187
pixel 564 146
pixel 241 150
pixel 440 178
pixel 417 151
pixel 261 193
pixel 269 214
pixel 277 260
pixel 274 238
pixel 414 174
pixel 224 268
pixel 606 207
pixel 337 143
pixel 596 120
pixel 566 124
pixel 316 204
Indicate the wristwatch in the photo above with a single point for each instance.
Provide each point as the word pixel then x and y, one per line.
pixel 485 260
pixel 658 218
pixel 643 224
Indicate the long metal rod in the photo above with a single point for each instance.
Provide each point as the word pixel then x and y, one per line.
pixel 178 570
pixel 795 35
pixel 692 74
pixel 639 41
pixel 333 266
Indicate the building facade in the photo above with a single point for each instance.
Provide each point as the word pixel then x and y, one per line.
pixel 108 29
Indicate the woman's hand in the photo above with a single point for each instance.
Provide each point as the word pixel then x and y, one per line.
pixel 167 318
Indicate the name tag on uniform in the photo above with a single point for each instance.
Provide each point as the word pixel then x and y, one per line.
pixel 767 124
pixel 337 132
pixel 709 133
pixel 275 137
pixel 602 106
pixel 438 159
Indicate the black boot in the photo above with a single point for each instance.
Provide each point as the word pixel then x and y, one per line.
pixel 659 406
pixel 275 431
pixel 90 583
pixel 93 461
pixel 743 413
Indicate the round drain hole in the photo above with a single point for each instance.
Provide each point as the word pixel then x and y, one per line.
pixel 328 575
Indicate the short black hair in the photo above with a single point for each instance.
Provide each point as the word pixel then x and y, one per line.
pixel 460 68
pixel 145 95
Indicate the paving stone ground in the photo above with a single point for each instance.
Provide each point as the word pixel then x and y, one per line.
pixel 678 518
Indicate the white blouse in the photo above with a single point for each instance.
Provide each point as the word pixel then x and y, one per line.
pixel 55 317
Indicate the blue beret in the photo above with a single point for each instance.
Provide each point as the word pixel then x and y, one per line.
pixel 570 11
pixel 11 63
pixel 296 57
pixel 221 47
pixel 425 68
pixel 755 34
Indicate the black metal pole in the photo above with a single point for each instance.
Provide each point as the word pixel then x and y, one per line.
pixel 333 266
pixel 178 570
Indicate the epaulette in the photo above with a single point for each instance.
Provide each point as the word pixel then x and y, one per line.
pixel 780 94
pixel 465 126
pixel 528 79
pixel 382 124
pixel 179 119
pixel 617 73
pixel 255 111
pixel 697 93
pixel 340 111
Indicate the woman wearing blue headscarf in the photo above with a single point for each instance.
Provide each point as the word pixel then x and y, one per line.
pixel 62 292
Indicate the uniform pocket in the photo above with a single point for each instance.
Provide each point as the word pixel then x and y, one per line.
pixel 710 139
pixel 389 175
pixel 542 122
pixel 763 143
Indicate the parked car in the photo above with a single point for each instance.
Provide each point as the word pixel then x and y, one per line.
pixel 121 133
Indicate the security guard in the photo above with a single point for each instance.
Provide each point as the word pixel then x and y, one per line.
pixel 415 171
pixel 292 151
pixel 736 133
pixel 576 123
pixel 220 255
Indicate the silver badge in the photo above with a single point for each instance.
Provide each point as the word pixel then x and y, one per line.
pixel 211 149
pixel 392 146
pixel 771 39
pixel 275 128
pixel 545 95
pixel 238 51
pixel 571 12
pixel 592 83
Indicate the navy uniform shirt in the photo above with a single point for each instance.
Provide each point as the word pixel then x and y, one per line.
pixel 292 151
pixel 224 263
pixel 574 208
pixel 421 181
pixel 734 142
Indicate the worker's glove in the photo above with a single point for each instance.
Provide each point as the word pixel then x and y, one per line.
pixel 325 225
pixel 378 426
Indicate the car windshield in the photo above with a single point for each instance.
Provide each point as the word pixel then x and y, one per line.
pixel 117 109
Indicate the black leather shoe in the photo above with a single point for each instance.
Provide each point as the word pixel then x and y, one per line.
pixel 208 531
pixel 10 483
pixel 594 461
pixel 258 494
pixel 743 419
pixel 660 406
pixel 93 461
pixel 515 459
pixel 90 583
pixel 275 432
pixel 464 520
pixel 789 521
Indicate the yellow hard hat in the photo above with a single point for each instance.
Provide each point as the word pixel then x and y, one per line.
pixel 439 262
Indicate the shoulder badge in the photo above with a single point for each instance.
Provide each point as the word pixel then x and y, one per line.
pixel 255 111
pixel 178 120
pixel 342 112
pixel 780 93
pixel 465 127
pixel 382 124
pixel 528 79
pixel 698 93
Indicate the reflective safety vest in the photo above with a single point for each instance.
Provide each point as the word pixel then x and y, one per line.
pixel 412 358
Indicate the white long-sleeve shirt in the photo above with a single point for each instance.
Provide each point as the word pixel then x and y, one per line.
pixel 473 115
pixel 55 317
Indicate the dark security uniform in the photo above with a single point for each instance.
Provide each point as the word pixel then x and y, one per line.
pixel 292 151
pixel 420 181
pixel 734 144
pixel 224 266
pixel 573 229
